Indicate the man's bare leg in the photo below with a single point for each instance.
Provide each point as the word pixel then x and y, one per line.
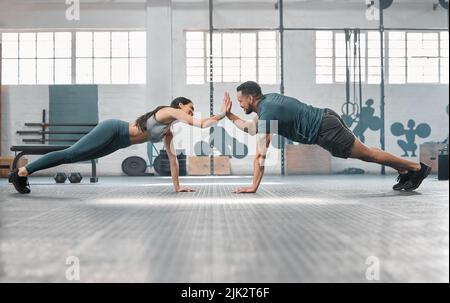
pixel 375 155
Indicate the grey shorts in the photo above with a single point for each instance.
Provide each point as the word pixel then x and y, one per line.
pixel 335 136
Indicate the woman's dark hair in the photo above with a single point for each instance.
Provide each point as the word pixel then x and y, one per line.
pixel 250 88
pixel 141 122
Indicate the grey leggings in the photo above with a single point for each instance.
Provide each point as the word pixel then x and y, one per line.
pixel 107 137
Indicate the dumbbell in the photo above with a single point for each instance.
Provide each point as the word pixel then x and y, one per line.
pixel 75 178
pixel 60 178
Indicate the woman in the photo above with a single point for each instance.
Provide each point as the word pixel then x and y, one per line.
pixel 112 135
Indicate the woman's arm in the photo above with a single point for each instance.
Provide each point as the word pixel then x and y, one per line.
pixel 174 169
pixel 179 115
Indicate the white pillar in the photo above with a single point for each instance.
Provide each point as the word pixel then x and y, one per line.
pixel 159 53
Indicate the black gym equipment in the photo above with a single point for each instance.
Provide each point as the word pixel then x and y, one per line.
pixel 383 4
pixel 162 164
pixel 60 178
pixel 443 167
pixel 41 148
pixel 75 177
pixel 135 166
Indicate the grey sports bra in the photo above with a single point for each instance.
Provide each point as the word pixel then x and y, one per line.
pixel 156 130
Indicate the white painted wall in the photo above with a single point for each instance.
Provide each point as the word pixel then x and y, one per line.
pixel 166 21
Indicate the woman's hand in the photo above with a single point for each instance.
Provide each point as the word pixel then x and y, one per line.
pixel 229 103
pixel 226 104
pixel 185 190
pixel 245 190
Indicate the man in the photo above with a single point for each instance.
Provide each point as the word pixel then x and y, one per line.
pixel 306 124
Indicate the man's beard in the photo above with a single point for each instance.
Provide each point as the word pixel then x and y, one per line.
pixel 249 111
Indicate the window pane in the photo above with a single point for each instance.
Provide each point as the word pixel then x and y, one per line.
pixel 27 45
pixel 63 45
pixel 231 70
pixel 44 45
pixel 195 71
pixel 120 45
pixel 267 35
pixel 138 70
pixel 194 36
pixel 138 44
pixel 10 71
pixel 195 53
pixel 10 45
pixel 119 71
pixel 231 45
pixel 263 62
pixel 195 62
pixel 102 71
pixel 44 71
pixel 423 62
pixel 84 71
pixel 397 58
pixel 102 45
pixel 63 71
pixel 248 45
pixel 84 45
pixel 217 45
pixel 444 57
pixel 27 71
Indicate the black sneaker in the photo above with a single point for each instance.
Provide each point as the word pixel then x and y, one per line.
pixel 401 180
pixel 20 183
pixel 417 177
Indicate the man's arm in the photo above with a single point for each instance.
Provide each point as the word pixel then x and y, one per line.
pixel 262 144
pixel 250 126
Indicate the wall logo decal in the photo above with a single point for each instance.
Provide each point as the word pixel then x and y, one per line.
pixel 363 116
pixel 366 120
pixel 423 130
pixel 223 142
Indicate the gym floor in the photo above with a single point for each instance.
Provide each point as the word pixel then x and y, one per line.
pixel 295 229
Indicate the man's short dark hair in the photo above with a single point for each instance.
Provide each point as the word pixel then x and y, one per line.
pixel 250 88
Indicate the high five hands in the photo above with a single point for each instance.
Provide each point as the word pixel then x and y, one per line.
pixel 225 108
pixel 226 104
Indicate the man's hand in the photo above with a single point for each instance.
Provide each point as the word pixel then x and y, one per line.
pixel 244 190
pixel 185 190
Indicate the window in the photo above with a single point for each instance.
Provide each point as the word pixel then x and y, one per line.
pixel 411 57
pixel 236 57
pixel 111 57
pixel 100 58
pixel 397 58
pixel 353 62
pixel 444 57
pixel 373 58
pixel 331 52
pixel 423 57
pixel 36 58
pixel 324 57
